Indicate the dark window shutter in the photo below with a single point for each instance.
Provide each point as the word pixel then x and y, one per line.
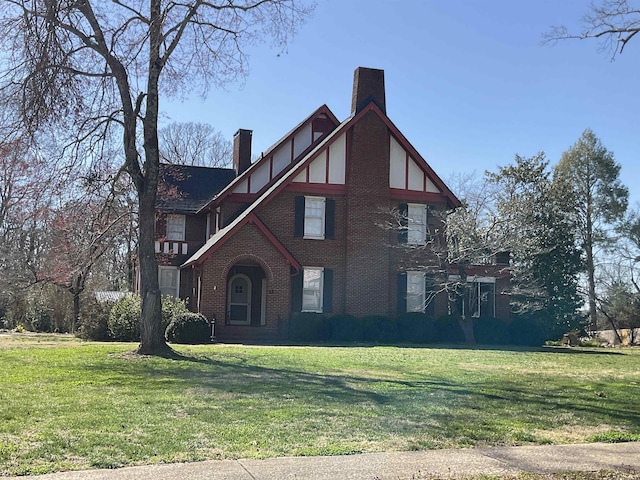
pixel 296 292
pixel 327 291
pixel 402 293
pixel 429 288
pixel 329 218
pixel 403 234
pixel 298 230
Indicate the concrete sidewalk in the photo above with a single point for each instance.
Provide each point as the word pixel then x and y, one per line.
pixel 389 465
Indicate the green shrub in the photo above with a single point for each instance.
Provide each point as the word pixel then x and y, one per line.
pixel 490 331
pixel 346 328
pixel 527 330
pixel 308 327
pixel 94 321
pixel 172 308
pixel 124 320
pixel 188 327
pixel 447 330
pixel 379 329
pixel 415 327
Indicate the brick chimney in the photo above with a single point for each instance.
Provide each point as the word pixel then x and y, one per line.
pixel 368 84
pixel 242 150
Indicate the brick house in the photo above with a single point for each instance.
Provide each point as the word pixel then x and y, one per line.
pixel 302 229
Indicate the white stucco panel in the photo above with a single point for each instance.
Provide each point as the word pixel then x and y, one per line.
pixel 397 165
pixel 430 186
pixel 416 176
pixel 260 177
pixel 302 140
pixel 281 158
pixel 338 160
pixel 318 169
pixel 242 187
pixel 301 177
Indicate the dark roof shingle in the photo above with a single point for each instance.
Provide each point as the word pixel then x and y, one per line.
pixel 186 189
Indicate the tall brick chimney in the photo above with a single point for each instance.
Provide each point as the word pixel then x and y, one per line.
pixel 242 150
pixel 368 84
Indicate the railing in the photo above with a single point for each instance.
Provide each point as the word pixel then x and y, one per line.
pixel 171 247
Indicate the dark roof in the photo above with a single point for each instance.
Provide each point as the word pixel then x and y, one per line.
pixel 186 189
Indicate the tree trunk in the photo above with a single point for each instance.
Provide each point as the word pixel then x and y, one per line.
pixel 593 314
pixel 75 320
pixel 152 341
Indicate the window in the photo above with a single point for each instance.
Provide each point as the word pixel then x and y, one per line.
pixel 312 286
pixel 478 298
pixel 169 279
pixel 416 224
pixel 314 218
pixel 312 290
pixel 175 227
pixel 415 292
pixel 314 212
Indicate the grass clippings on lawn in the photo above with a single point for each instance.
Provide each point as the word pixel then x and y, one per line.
pixel 75 405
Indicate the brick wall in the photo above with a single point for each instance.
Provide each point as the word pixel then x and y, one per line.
pixel 367 282
pixel 247 246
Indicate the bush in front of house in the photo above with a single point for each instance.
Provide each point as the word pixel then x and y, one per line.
pixel 308 327
pixel 188 328
pixel 490 331
pixel 94 321
pixel 346 328
pixel 172 308
pixel 124 320
pixel 415 327
pixel 447 329
pixel 379 329
pixel 527 330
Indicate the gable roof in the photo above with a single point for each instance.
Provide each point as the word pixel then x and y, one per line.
pixel 264 157
pixel 185 188
pixel 249 213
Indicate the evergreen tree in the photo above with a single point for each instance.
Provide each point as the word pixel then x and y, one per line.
pixel 597 200
pixel 540 235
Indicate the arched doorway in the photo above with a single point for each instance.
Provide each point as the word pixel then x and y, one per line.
pixel 246 294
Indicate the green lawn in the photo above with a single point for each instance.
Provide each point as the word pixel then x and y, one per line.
pixel 69 405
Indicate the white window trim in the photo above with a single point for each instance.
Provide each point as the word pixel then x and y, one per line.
pixel 321 308
pixel 177 270
pixel 181 219
pixel 312 236
pixel 422 224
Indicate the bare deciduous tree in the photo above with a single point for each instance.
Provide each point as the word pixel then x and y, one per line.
pixel 195 144
pixel 91 67
pixel 613 22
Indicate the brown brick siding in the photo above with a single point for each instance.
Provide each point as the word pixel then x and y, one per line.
pixel 367 244
pixel 214 281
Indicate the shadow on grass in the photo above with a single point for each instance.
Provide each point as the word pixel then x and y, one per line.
pixel 486 399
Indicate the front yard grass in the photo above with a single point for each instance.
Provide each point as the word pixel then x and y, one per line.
pixel 67 405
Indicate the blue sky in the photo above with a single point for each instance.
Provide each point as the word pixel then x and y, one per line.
pixel 468 82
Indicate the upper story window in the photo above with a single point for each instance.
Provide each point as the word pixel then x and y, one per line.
pixel 175 227
pixel 314 215
pixel 314 218
pixel 416 224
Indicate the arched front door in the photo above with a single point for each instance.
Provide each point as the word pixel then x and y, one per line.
pixel 239 300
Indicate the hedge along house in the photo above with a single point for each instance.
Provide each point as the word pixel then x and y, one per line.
pixel 302 229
